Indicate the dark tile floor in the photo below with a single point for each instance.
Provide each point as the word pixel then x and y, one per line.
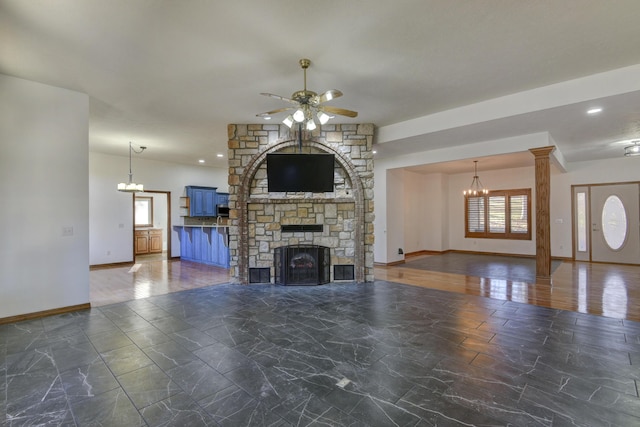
pixel 379 354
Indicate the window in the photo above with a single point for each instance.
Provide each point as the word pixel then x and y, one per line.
pixel 581 215
pixel 144 212
pixel 503 214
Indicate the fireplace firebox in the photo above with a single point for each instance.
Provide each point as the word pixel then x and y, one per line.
pixel 302 265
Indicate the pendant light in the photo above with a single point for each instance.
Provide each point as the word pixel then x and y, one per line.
pixel 131 187
pixel 476 186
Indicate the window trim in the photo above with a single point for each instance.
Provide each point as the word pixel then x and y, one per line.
pixel 507 234
pixel 149 202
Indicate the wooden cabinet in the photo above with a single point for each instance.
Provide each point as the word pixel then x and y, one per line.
pixel 155 241
pixel 148 241
pixel 141 242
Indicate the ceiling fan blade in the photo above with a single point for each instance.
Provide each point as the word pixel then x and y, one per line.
pixel 269 113
pixel 329 95
pixel 282 98
pixel 339 111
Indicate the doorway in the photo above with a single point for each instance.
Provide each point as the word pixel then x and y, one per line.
pixel 152 226
pixel 606 223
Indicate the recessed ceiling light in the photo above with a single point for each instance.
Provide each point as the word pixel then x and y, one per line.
pixel 201 161
pixel 594 110
pixel 219 155
pixel 374 151
pixel 267 117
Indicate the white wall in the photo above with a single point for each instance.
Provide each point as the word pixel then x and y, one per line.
pixel 380 210
pixel 111 212
pixel 434 211
pixel 414 209
pixel 504 179
pixel 424 223
pixel 433 217
pixel 394 213
pixel 622 169
pixel 44 222
pixel 441 234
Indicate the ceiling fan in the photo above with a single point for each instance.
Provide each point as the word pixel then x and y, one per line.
pixel 308 105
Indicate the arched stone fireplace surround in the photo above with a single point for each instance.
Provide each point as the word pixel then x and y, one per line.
pixel 347 213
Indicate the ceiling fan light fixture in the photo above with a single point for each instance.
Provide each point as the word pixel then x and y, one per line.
pixel 323 117
pixel 311 125
pixel 288 121
pixel 308 105
pixel 632 150
pixel 298 116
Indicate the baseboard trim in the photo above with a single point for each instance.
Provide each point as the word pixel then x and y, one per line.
pixel 423 252
pixel 122 264
pixel 491 253
pixel 388 264
pixel 456 251
pixel 44 313
pixel 112 265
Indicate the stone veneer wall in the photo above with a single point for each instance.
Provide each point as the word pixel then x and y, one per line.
pixel 256 216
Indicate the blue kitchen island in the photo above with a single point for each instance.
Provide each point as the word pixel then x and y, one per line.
pixel 206 244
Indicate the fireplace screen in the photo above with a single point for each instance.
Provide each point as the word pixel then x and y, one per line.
pixel 302 265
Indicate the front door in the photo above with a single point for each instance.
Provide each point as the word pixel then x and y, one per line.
pixel 615 223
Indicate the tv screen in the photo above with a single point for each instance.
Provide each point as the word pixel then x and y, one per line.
pixel 300 172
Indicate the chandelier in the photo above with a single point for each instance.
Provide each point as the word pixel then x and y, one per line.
pixel 476 186
pixel 131 187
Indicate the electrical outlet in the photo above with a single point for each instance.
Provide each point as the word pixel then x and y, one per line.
pixel 400 251
pixel 67 231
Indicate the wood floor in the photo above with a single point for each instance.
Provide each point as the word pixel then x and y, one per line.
pixel 150 278
pixel 601 289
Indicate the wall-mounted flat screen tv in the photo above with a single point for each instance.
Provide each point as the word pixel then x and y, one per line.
pixel 300 172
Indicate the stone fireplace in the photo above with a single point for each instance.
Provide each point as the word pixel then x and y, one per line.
pixel 262 221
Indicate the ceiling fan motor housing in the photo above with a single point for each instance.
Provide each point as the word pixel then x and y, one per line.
pixel 303 96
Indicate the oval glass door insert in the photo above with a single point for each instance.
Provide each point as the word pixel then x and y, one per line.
pixel 614 222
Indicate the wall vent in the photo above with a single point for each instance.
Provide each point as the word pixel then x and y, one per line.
pixel 260 275
pixel 343 272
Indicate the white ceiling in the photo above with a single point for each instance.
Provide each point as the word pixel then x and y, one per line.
pixel 170 75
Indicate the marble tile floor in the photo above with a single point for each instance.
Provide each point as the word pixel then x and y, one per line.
pixel 378 354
